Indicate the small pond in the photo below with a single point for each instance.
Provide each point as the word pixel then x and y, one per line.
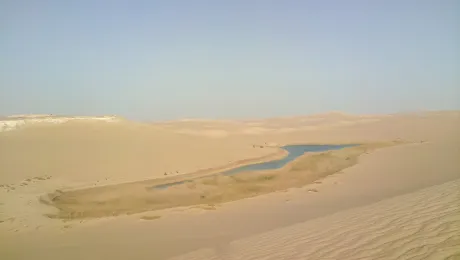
pixel 294 151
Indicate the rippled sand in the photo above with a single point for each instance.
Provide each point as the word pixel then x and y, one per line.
pixel 419 225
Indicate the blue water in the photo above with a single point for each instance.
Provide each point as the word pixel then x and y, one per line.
pixel 294 151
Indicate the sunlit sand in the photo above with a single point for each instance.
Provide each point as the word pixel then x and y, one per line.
pixel 82 189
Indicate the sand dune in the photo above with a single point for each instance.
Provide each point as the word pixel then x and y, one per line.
pixel 420 225
pixel 395 203
pixel 279 125
pixel 91 153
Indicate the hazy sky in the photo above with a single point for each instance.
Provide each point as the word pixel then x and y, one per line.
pixel 235 58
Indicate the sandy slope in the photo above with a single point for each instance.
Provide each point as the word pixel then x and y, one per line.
pixel 91 153
pixel 38 160
pixel 419 225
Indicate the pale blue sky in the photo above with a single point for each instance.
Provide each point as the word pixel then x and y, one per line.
pixel 171 59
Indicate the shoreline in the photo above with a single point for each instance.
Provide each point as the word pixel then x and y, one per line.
pixel 209 172
pixel 202 173
pixel 132 198
pixel 248 162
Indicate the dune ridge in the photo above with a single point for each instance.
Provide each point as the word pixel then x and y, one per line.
pixel 385 230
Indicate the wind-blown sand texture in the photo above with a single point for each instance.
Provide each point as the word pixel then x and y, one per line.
pixel 371 210
pixel 419 225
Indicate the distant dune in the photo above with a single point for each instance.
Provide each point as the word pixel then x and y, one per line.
pixel 16 122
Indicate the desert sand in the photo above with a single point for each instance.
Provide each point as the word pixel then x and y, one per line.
pixel 400 201
pixel 411 226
